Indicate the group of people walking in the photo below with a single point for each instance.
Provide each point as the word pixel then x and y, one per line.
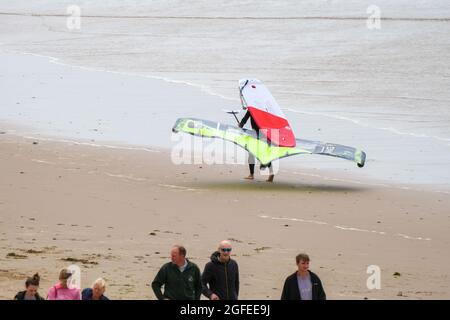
pixel 181 279
pixel 62 290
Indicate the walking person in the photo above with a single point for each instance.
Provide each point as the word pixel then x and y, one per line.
pixel 220 278
pixel 303 284
pixel 31 288
pixel 180 278
pixel 61 291
pixel 96 291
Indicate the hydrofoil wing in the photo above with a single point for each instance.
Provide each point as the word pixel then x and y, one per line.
pixel 264 151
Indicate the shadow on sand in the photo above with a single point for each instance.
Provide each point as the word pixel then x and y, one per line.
pixel 283 186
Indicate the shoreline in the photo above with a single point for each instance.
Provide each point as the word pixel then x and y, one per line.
pixel 139 113
pixel 22 132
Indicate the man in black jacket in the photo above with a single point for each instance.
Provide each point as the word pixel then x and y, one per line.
pixel 303 284
pixel 221 274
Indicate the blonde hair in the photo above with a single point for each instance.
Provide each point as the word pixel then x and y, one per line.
pixel 99 282
pixel 224 243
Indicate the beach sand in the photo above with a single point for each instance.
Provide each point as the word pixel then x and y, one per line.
pixel 116 213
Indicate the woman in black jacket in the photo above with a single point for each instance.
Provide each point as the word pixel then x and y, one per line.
pixel 31 286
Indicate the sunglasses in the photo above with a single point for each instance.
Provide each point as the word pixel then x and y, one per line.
pixel 226 249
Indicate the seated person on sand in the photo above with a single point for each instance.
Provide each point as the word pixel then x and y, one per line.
pixel 96 292
pixel 31 286
pixel 61 291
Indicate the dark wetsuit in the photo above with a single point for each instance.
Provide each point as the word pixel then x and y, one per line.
pixel 252 121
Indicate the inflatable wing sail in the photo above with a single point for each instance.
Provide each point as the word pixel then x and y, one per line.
pixel 264 151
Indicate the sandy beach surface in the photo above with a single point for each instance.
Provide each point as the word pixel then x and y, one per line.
pixel 116 213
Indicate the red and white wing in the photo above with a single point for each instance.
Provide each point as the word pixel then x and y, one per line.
pixel 266 112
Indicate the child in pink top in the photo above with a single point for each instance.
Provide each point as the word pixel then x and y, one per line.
pixel 61 291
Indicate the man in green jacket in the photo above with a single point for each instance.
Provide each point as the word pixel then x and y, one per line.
pixel 180 278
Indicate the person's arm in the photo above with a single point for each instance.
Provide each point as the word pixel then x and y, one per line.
pixel 285 293
pixel 244 119
pixel 158 282
pixel 51 293
pixel 206 278
pixel 236 284
pixel 85 294
pixel 77 295
pixel 321 293
pixel 39 297
pixel 198 286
